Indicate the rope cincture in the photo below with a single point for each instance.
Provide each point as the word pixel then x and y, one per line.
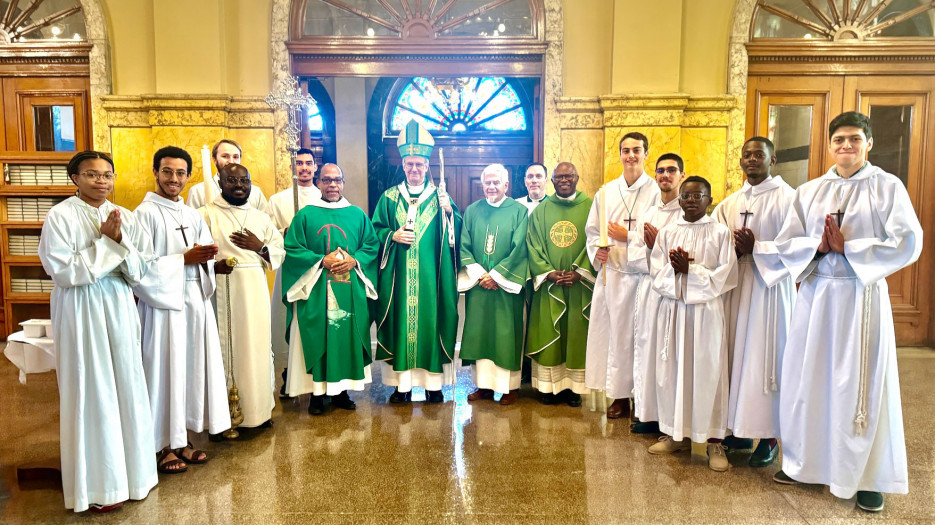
pixel 863 392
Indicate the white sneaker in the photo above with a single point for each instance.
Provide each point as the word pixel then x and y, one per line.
pixel 667 445
pixel 717 460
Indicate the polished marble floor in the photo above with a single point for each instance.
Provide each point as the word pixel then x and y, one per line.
pixel 451 463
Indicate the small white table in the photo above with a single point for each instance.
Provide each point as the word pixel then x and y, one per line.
pixel 31 355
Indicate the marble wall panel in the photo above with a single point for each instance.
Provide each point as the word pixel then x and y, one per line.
pixel 661 140
pixel 705 153
pixel 585 149
pixel 133 157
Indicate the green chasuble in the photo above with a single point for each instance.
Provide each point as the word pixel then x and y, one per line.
pixel 558 317
pixel 417 309
pixel 333 313
pixel 495 239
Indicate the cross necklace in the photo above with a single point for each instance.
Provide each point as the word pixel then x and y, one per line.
pixel 178 221
pixel 239 222
pixel 747 205
pixel 842 203
pixel 629 220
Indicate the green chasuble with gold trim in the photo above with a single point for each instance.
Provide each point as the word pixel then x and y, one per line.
pixel 417 309
pixel 333 312
pixel 494 238
pixel 558 317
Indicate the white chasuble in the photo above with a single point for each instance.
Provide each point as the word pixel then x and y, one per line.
pixel 243 305
pixel 691 329
pixel 610 347
pixel 196 195
pixel 181 348
pixel 840 415
pixel 282 210
pixel 645 307
pixel 758 309
pixel 106 425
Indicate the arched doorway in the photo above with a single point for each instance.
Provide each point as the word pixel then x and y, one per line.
pixel 374 40
pixel 809 62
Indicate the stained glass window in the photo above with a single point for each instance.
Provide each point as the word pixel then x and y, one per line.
pixel 459 105
pixel 315 121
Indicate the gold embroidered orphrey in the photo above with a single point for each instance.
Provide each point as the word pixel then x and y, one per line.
pixel 563 234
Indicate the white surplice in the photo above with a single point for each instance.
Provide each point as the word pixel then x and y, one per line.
pixel 609 364
pixel 840 414
pixel 759 309
pixel 646 306
pixel 691 329
pixel 243 304
pixel 529 203
pixel 282 210
pixel 106 425
pixel 181 348
pixel 196 195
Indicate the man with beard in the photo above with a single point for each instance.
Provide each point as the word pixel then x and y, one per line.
pixel 417 311
pixel 494 269
pixel 181 350
pixel 225 152
pixel 613 312
pixel 250 236
pixel 562 279
pixel 535 185
pixel 282 209
pixel 759 309
pixel 329 273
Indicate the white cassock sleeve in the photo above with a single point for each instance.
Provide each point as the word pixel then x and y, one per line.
pixel 796 249
pixel 874 258
pixel 162 286
pixel 706 284
pixel 638 253
pixel 665 281
pixel 592 231
pixel 274 243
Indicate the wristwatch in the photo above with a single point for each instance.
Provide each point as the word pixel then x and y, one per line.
pixel 264 250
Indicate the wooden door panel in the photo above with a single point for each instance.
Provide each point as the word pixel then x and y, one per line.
pixel 901 113
pixel 22 95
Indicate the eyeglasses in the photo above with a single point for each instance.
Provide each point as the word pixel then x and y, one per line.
pixel 671 170
pixel 693 196
pixel 107 175
pixel 327 181
pixel 414 165
pixel 568 176
pixel 235 180
pixel 167 172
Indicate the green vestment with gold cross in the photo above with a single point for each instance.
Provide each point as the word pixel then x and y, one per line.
pixel 494 239
pixel 332 310
pixel 558 318
pixel 417 309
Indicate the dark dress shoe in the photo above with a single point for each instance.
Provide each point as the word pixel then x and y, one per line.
pixel 266 424
pixel 548 399
pixel 735 443
pixel 216 438
pixel 644 427
pixel 869 501
pixel 480 393
pixel 434 396
pixel 400 397
pixel 620 408
pixel 764 454
pixel 282 391
pixel 572 399
pixel 344 401
pixel 509 398
pixel 316 405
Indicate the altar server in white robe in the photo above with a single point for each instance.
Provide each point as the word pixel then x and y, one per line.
pixel 95 251
pixel 181 348
pixel 609 366
pixel 535 179
pixel 282 210
pixel 670 169
pixel 760 307
pixel 243 300
pixel 840 416
pixel 693 265
pixel 225 152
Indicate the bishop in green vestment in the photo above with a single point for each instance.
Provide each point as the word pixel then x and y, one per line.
pixel 494 269
pixel 418 228
pixel 329 273
pixel 563 280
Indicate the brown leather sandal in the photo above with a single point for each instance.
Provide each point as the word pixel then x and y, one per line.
pixel 180 452
pixel 164 465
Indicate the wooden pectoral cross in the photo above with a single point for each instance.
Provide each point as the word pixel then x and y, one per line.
pixel 838 217
pixel 629 221
pixel 746 215
pixel 182 229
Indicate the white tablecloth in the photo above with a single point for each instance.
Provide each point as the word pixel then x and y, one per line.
pixel 30 355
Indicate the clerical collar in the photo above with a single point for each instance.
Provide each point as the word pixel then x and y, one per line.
pixel 498 203
pixel 571 198
pixel 530 199
pixel 322 203
pixel 415 190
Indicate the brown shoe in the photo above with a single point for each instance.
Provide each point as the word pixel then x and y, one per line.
pixel 480 393
pixel 510 397
pixel 620 408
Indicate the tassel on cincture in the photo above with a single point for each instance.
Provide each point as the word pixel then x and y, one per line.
pixel 860 423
